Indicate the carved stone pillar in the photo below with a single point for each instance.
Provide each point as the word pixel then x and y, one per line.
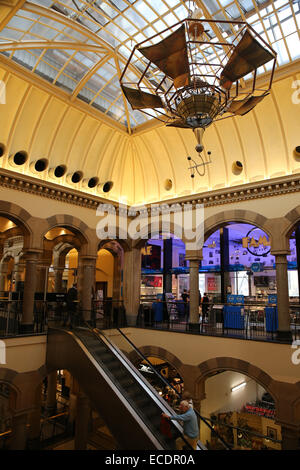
pixel 51 392
pixel 194 259
pixel 19 432
pixel 284 327
pixel 32 259
pixel 132 283
pixel 88 269
pixel 83 414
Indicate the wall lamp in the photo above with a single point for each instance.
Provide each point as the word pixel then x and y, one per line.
pixel 237 387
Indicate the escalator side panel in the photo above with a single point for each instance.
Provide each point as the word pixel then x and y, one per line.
pixel 64 352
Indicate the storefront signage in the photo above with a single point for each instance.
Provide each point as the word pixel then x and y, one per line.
pixel 257 245
pixel 256 267
pixel 211 284
pixel 272 298
pixel 147 250
pixel 235 299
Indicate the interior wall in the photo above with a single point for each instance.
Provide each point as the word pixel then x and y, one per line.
pixel 25 354
pixel 105 270
pixel 220 398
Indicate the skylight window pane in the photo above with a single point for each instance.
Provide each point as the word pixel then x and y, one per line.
pixel 137 19
pixel 288 26
pixel 86 95
pixel 119 4
pixel 116 32
pixel 211 5
pixel 107 37
pixel 294 45
pixel 46 71
pixel 233 11
pixel 11 34
pixel 224 3
pixel 126 26
pixel 280 48
pixel 284 13
pixel 96 16
pixel 158 6
pixel 86 58
pixel 247 5
pixel 170 19
pixel 95 83
pixel 75 70
pixel 20 23
pixel 55 58
pixel 181 12
pixel 43 31
pixel 25 58
pixel 172 3
pixel 145 11
pixel 66 83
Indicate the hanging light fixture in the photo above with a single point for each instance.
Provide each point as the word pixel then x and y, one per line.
pixel 196 74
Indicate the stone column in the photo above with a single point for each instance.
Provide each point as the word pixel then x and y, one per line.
pixel 35 423
pixel 117 279
pixel 3 272
pixel 132 283
pixel 83 414
pixel 19 432
pixel 284 328
pixel 51 393
pixel 88 267
pixel 194 259
pixel 290 438
pixel 32 259
pixel 58 277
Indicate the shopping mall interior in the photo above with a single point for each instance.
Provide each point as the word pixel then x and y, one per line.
pixel 149 223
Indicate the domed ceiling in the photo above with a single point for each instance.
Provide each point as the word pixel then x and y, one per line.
pixel 61 61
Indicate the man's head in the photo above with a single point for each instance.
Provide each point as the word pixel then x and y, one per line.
pixel 75 285
pixel 184 406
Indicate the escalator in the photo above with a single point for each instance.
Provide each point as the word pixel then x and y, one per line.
pixel 128 404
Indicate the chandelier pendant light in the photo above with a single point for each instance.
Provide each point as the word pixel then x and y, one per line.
pixel 203 71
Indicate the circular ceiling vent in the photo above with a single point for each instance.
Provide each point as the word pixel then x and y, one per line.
pixel 237 167
pixel 18 159
pixel 168 184
pixel 58 172
pixel 77 177
pixel 74 178
pixel 297 153
pixel 2 150
pixel 92 182
pixel 39 165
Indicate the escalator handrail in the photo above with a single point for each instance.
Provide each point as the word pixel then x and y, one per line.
pixel 174 389
pixel 108 378
pixel 145 384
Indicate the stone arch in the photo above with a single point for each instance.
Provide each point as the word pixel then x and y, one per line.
pixel 114 245
pixel 292 218
pixel 21 218
pixel 211 366
pixel 221 219
pixel 80 229
pixel 161 353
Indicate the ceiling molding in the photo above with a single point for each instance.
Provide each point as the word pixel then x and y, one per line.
pixel 260 189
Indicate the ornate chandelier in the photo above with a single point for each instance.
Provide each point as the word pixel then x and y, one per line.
pixel 204 71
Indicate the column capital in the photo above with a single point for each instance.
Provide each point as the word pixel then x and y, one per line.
pixel 32 254
pixel 88 259
pixel 277 253
pixel 194 255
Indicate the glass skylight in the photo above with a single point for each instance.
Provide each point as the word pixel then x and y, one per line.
pixel 82 45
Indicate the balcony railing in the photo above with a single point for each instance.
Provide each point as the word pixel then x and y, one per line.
pixel 256 321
